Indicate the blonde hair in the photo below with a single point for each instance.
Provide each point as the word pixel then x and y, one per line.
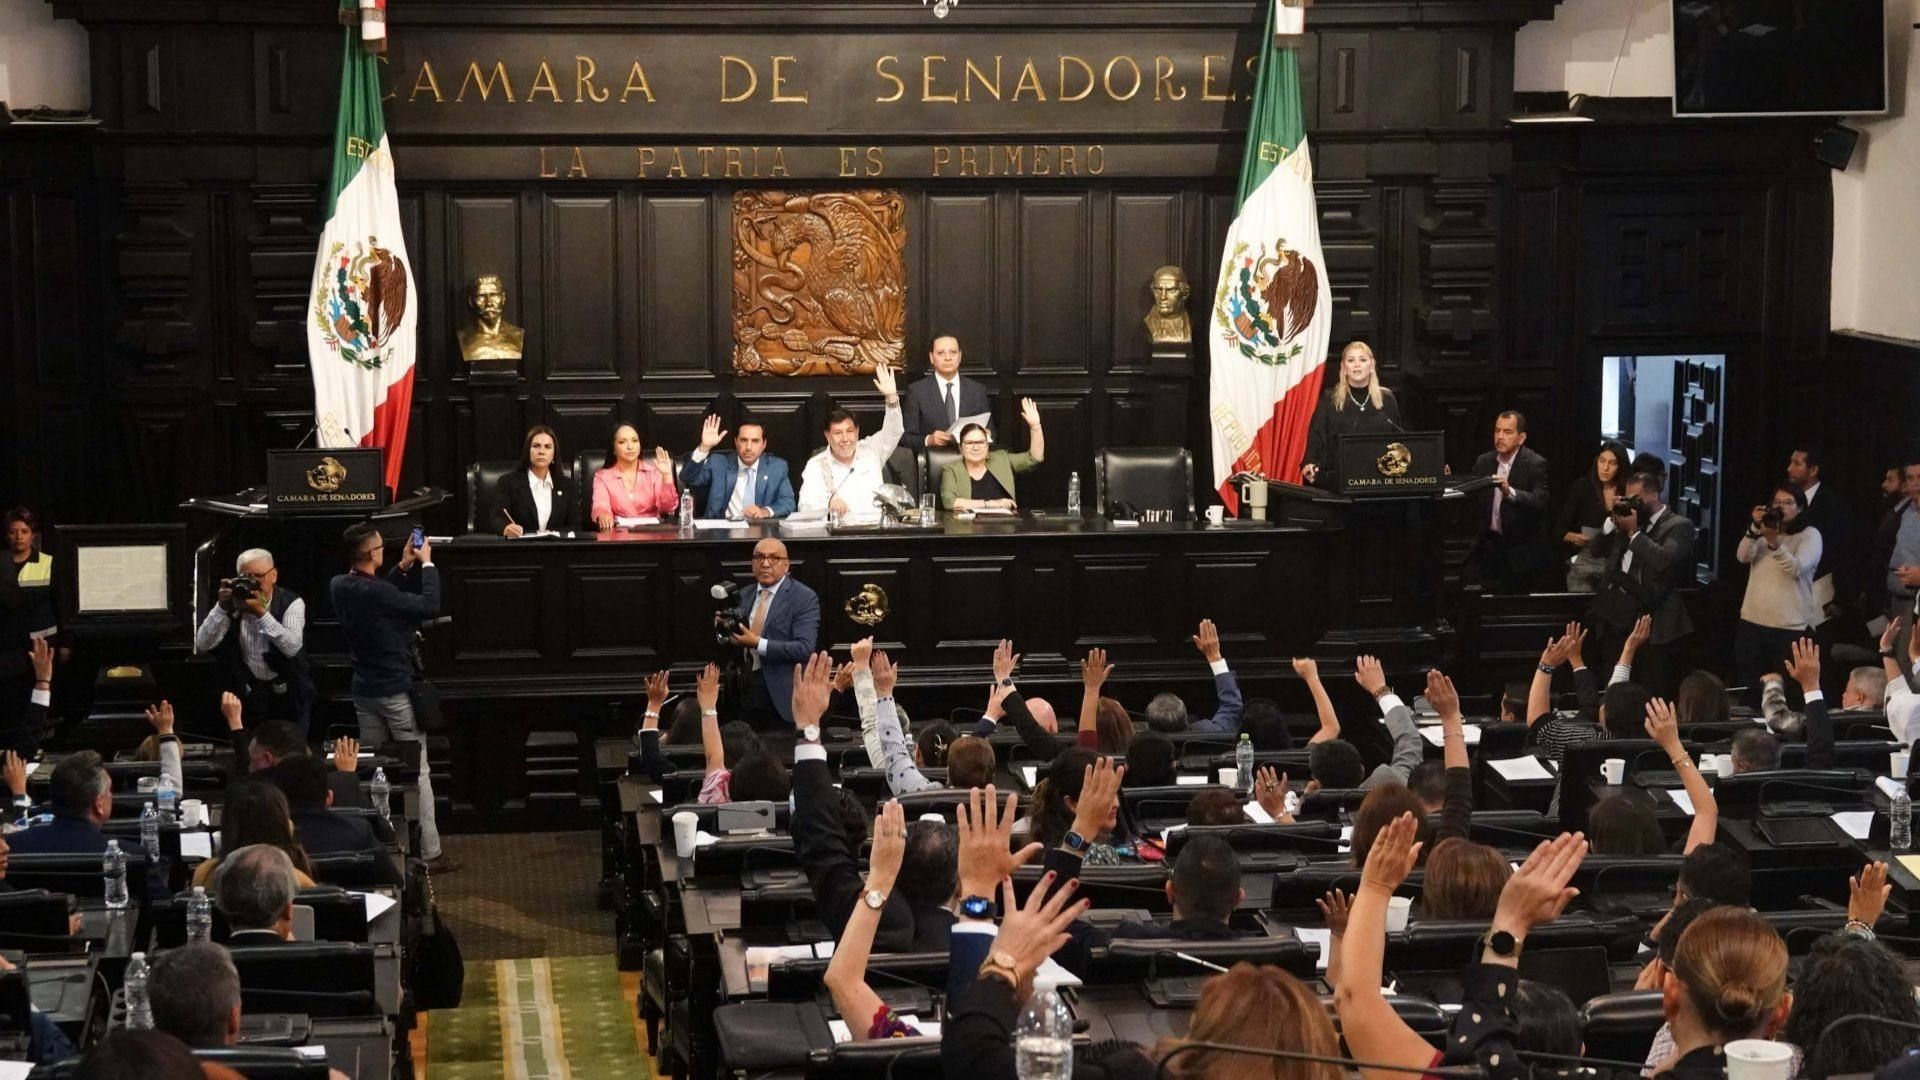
pixel 1733 966
pixel 1376 397
pixel 1259 1007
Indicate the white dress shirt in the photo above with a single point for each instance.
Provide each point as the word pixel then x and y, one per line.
pixel 542 488
pixel 826 478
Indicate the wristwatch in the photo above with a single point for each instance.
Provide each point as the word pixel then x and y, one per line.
pixel 810 733
pixel 1500 943
pixel 875 899
pixel 1007 682
pixel 977 907
pixel 999 964
pixel 1074 841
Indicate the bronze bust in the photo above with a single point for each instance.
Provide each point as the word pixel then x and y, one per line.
pixel 1167 323
pixel 490 336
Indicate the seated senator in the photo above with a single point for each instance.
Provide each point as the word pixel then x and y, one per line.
pixel 629 486
pixel 983 478
pixel 748 484
pixel 535 497
pixel 82 803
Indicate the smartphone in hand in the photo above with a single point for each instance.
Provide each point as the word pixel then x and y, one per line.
pixel 418 537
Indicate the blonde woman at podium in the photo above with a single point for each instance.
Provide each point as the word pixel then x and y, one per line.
pixel 1358 405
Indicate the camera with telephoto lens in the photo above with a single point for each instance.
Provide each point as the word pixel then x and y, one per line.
pixel 244 588
pixel 727 622
pixel 1629 506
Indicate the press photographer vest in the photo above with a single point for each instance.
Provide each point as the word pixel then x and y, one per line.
pixel 291 668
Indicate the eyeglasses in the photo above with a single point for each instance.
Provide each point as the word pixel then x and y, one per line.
pixel 974 444
pixel 769 559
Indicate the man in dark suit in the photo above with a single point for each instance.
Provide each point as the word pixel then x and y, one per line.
pixel 748 484
pixel 255 889
pixel 1648 551
pixel 1511 550
pixel 82 803
pixel 935 403
pixel 536 497
pixel 320 829
pixel 781 619
pixel 1835 581
pixel 276 741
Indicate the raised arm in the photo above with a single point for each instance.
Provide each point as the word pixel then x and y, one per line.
pixel 858 675
pixel 1374 1032
pixel 1804 666
pixel 846 977
pixel 884 441
pixel 652 763
pixel 1665 730
pixel 1036 435
pixel 167 744
pixel 1623 668
pixel 1456 812
pixel 1408 748
pixel 1226 719
pixel 1540 694
pixel 1309 671
pixel 1093 675
pixel 903 776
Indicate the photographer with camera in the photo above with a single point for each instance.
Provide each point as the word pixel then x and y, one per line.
pixel 1784 554
pixel 1648 553
pixel 776 623
pixel 257 633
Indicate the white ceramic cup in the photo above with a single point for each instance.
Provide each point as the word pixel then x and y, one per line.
pixel 1898 761
pixel 1614 769
pixel 1216 515
pixel 193 813
pixel 686 824
pixel 1398 908
pixel 1708 765
pixel 1759 1059
pixel 1229 777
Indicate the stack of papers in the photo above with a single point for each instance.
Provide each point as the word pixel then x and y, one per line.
pixel 1438 735
pixel 1317 935
pixel 1190 781
pixel 1855 823
pixel 196 845
pixel 377 903
pixel 1521 768
pixel 630 522
pixel 1682 800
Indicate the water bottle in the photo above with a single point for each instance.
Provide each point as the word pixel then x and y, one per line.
pixel 199 916
pixel 1073 494
pixel 686 511
pixel 1900 820
pixel 382 793
pixel 150 831
pixel 167 797
pixel 139 1005
pixel 113 866
pixel 1243 764
pixel 1043 1039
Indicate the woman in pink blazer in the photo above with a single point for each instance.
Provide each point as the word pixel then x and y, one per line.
pixel 630 487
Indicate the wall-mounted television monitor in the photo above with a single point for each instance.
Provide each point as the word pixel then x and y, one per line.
pixel 1779 57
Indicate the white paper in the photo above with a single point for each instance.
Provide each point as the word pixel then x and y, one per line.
pixel 1123 523
pixel 1031 774
pixel 976 418
pixel 1682 800
pixel 1317 935
pixel 1438 735
pixel 1050 973
pixel 703 838
pixel 1167 833
pixel 196 845
pixel 1258 814
pixel 717 523
pixel 129 577
pixel 536 535
pixel 822 950
pixel 311 1052
pixel 1190 781
pixel 658 795
pixel 928 1029
pixel 630 522
pixel 991 511
pixel 377 903
pixel 1521 768
pixel 1889 786
pixel 1856 823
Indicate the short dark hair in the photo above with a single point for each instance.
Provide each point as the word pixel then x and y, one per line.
pixel 1263 720
pixel 1336 764
pixel 1755 750
pixel 194 990
pixel 1717 872
pixel 1215 806
pixel 280 738
pixel 1549 1024
pixel 1625 825
pixel 759 777
pixel 930 867
pixel 932 740
pixel 140 1055
pixel 1644 462
pixel 1845 975
pixel 747 422
pixel 356 536
pixel 1206 879
pixel 1624 708
pixel 1811 451
pixel 1428 782
pixel 837 415
pixel 1513 701
pixel 1150 761
pixel 78 780
pixel 1649 482
pixel 302 777
pixel 970 762
pixel 1684 913
pixel 1519 419
pixel 24 516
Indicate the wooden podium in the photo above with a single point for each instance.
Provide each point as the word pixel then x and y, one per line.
pixel 1384 576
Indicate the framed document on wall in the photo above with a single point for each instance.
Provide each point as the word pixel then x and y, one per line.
pixel 125 579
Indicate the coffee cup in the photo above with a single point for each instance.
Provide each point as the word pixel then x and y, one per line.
pixel 1398 908
pixel 1614 769
pixel 147 785
pixel 1216 515
pixel 1229 777
pixel 686 826
pixel 1899 760
pixel 193 813
pixel 1759 1059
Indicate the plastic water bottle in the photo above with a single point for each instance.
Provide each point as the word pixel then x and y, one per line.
pixel 1073 494
pixel 1900 820
pixel 113 866
pixel 150 831
pixel 686 511
pixel 139 1005
pixel 1043 1038
pixel 199 916
pixel 167 797
pixel 1243 764
pixel 382 793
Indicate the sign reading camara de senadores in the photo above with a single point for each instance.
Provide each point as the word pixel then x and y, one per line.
pixel 333 481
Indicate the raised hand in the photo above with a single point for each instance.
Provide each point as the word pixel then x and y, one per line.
pixel 160 717
pixel 1575 638
pixel 996 702
pixel 1099 804
pixel 230 709
pixel 812 687
pixel 346 754
pixel 843 678
pixel 663 461
pixel 1442 696
pixel 1335 907
pixel 1030 412
pixel 1030 934
pixel 1538 891
pixel 1803 664
pixel 889 847
pixel 861 651
pixel 1393 856
pixel 1005 660
pixel 883 382
pixel 1555 652
pixel 706 689
pixel 1208 641
pixel 885 674
pixel 711 433
pixel 1642 632
pixel 14 769
pixel 1371 677
pixel 1887 636
pixel 1868 894
pixel 41 656
pixel 986 839
pixel 1094 670
pixel 1306 667
pixel 1270 792
pixel 1662 726
pixel 656 694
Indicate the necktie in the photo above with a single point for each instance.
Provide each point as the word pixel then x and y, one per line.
pixel 758 620
pixel 1499 497
pixel 736 505
pixel 953 417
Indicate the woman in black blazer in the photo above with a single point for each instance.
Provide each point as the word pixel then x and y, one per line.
pixel 515 510
pixel 1587 507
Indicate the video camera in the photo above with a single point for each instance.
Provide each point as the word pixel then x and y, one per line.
pixel 727 622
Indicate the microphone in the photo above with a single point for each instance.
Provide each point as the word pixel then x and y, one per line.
pixel 1456 1072
pixel 1153 962
pixel 724 590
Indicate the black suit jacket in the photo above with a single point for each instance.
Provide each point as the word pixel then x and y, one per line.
pixel 827 856
pixel 323 832
pixel 923 411
pixel 1523 512
pixel 1662 565
pixel 514 495
pixel 1835 521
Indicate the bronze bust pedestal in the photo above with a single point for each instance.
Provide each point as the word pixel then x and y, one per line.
pixel 491 346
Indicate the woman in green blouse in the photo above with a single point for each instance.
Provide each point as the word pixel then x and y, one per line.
pixel 983 478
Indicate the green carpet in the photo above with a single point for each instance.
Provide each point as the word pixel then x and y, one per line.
pixel 538 1020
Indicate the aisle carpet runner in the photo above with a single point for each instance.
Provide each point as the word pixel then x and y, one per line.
pixel 538 1020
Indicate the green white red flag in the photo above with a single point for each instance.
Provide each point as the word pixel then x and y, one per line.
pixel 1273 311
pixel 361 330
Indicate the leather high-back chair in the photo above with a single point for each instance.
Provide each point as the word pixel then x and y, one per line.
pixel 905 467
pixel 1148 477
pixel 938 458
pixel 319 978
pixel 483 480
pixel 588 462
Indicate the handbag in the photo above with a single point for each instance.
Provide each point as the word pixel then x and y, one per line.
pixel 427 709
pixel 438 973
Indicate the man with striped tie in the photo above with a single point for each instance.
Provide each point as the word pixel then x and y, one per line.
pixel 782 619
pixel 746 485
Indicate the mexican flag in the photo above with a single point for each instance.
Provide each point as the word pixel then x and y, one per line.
pixel 360 339
pixel 1273 312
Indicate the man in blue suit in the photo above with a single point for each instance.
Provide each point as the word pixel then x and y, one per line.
pixel 748 484
pixel 782 619
pixel 82 803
